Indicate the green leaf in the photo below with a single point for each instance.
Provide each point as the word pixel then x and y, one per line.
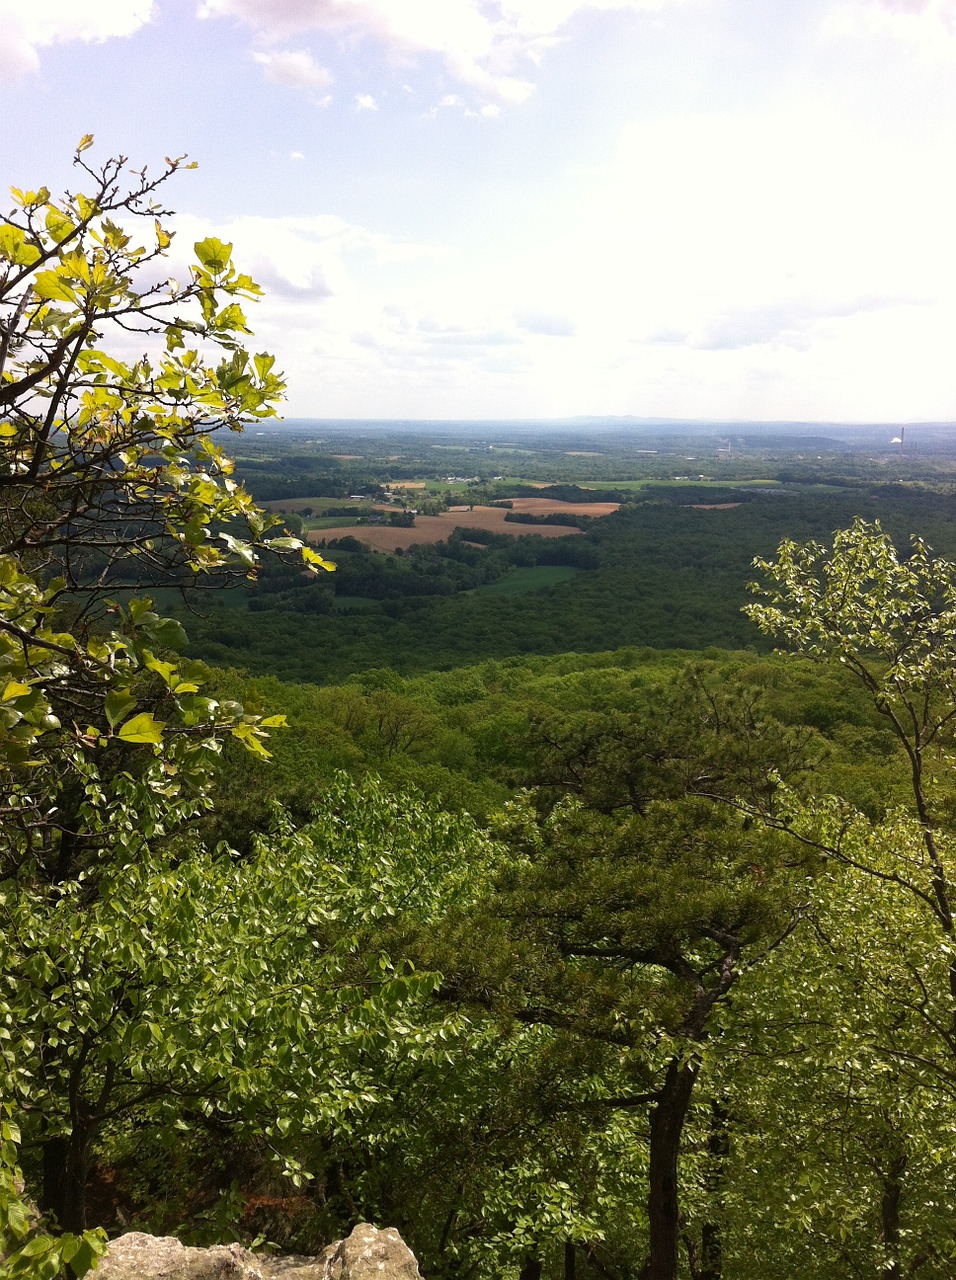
pixel 214 255
pixel 118 703
pixel 14 689
pixel 51 286
pixel 142 728
pixel 58 224
pixel 247 735
pixel 15 247
pixel 168 633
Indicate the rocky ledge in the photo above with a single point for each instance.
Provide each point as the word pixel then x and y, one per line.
pixel 367 1254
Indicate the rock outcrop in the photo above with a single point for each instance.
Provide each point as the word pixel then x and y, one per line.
pixel 367 1254
pixel 137 1256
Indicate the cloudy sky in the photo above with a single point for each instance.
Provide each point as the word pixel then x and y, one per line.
pixel 541 208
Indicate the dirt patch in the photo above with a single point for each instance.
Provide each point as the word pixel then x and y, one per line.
pixel 548 506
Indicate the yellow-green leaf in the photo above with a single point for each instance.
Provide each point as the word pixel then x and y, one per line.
pixel 142 728
pixel 58 224
pixel 50 285
pixel 213 254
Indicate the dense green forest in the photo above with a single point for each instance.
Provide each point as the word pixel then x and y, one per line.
pixel 658 572
pixel 565 901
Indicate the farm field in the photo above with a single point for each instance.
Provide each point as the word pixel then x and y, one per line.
pixel 432 529
pixel 318 506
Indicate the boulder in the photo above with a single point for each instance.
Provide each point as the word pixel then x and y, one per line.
pixel 137 1256
pixel 371 1254
pixel 367 1254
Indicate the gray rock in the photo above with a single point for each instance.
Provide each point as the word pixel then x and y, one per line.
pixel 367 1254
pixel 370 1254
pixel 297 1267
pixel 137 1256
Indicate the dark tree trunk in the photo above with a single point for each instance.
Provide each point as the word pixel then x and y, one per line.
pixel 65 1172
pixel 890 1216
pixel 711 1239
pixel 570 1269
pixel 667 1126
pixel 531 1269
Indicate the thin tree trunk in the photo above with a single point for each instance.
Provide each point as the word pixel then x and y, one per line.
pixel 570 1268
pixel 667 1126
pixel 890 1216
pixel 531 1269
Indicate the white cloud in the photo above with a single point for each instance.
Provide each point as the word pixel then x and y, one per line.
pixel 546 323
pixel 26 26
pixel 365 102
pixel 296 155
pixel 484 43
pixel 790 215
pixel 305 259
pixel 928 25
pixel 781 266
pixel 295 68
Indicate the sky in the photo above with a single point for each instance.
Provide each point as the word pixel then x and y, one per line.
pixel 499 209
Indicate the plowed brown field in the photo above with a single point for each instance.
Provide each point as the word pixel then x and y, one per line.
pixel 437 528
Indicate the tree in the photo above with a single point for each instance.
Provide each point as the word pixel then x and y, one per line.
pixel 891 622
pixel 112 482
pixel 633 907
pixel 840 1161
pixel 258 991
pixel 112 477
pixel 27 1252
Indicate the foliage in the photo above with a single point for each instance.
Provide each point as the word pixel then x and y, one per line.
pixel 27 1252
pixel 864 1178
pixel 111 475
pixel 629 911
pixel 652 574
pixel 112 481
pixel 891 622
pixel 255 991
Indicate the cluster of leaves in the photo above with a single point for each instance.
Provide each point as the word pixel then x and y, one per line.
pixel 251 989
pixel 111 475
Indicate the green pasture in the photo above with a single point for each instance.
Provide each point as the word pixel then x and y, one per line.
pixel 318 505
pixel 331 522
pixel 521 581
pixel 689 483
